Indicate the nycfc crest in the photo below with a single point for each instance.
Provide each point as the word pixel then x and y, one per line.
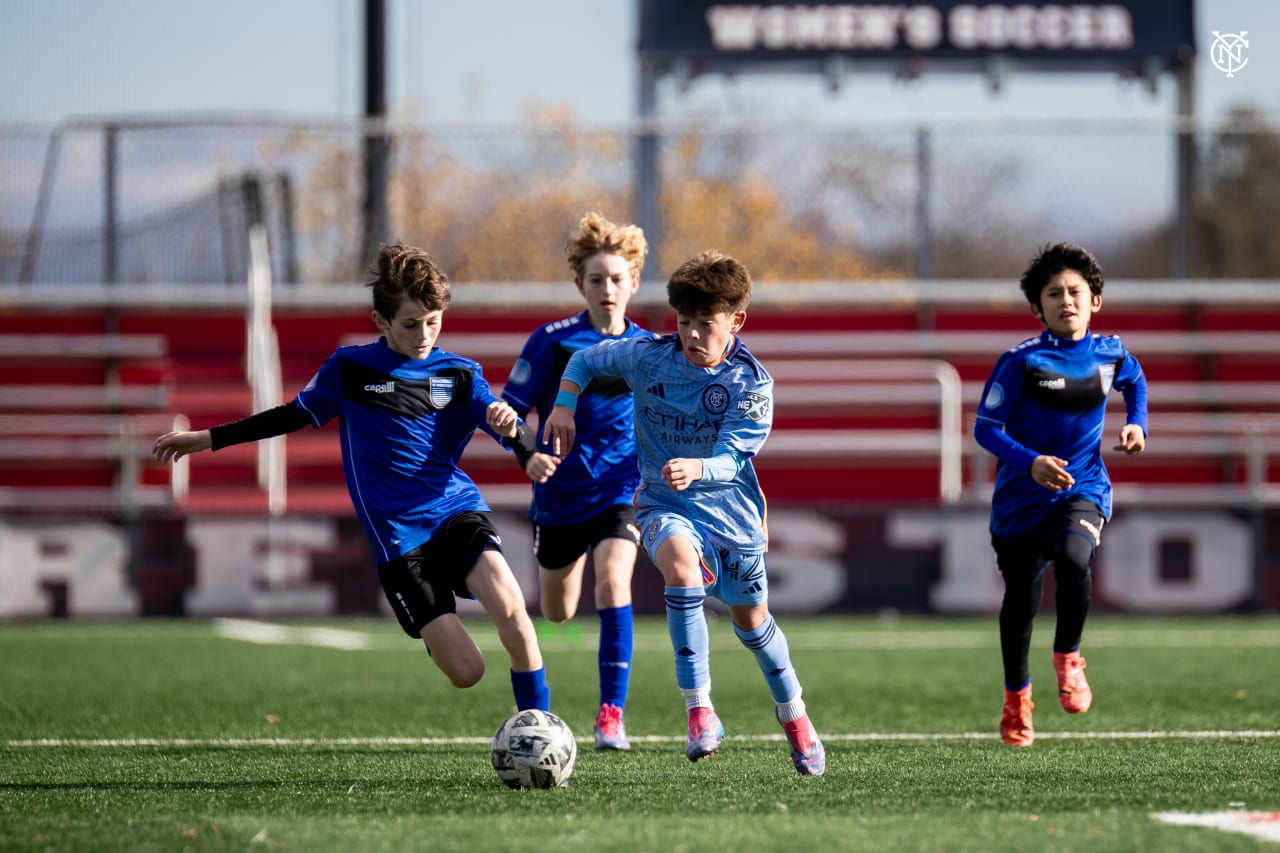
pixel 1227 52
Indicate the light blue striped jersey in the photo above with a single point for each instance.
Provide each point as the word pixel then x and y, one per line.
pixel 721 414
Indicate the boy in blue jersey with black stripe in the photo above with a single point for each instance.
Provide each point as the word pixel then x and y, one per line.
pixel 703 408
pixel 406 411
pixel 582 503
pixel 1042 415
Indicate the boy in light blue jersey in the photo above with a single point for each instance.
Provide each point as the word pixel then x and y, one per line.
pixel 703 408
pixel 406 411
pixel 582 503
pixel 1041 415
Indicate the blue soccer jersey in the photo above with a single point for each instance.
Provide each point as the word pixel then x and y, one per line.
pixel 721 414
pixel 1048 396
pixel 600 471
pixel 404 424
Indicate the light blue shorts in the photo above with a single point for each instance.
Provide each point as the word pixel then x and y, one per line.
pixel 732 576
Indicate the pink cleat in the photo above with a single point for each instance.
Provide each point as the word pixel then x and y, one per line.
pixel 705 733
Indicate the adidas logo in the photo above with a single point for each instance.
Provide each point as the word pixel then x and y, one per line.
pixel 657 391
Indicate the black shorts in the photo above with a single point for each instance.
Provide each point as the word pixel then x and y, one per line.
pixel 1031 551
pixel 559 547
pixel 421 584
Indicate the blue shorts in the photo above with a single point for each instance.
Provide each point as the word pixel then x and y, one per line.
pixel 732 576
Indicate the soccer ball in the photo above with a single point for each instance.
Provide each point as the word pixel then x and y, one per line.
pixel 533 749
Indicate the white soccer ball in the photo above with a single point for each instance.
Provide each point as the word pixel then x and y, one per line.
pixel 533 749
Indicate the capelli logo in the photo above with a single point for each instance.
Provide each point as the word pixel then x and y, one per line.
pixel 1058 384
pixel 382 388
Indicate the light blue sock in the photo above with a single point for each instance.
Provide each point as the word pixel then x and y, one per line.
pixel 687 625
pixel 531 690
pixel 617 642
pixel 769 645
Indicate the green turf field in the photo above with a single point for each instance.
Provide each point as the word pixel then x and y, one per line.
pixel 199 735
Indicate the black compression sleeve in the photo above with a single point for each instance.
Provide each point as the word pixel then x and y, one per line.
pixel 523 444
pixel 265 424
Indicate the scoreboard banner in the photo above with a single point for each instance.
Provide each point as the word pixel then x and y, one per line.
pixel 729 34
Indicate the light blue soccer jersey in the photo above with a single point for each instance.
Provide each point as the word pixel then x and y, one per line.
pixel 403 425
pixel 721 414
pixel 600 471
pixel 1048 396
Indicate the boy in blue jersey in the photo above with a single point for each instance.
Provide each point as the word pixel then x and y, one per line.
pixel 703 408
pixel 582 503
pixel 1041 415
pixel 406 411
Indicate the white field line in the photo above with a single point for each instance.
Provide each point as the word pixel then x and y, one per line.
pixel 866 737
pixel 271 633
pixel 1264 825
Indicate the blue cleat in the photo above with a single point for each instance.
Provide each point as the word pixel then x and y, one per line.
pixel 609 729
pixel 807 752
pixel 705 733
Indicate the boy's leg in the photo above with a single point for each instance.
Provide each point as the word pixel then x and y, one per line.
pixel 678 560
pixel 1076 542
pixel 453 650
pixel 494 586
pixel 1020 564
pixel 1072 558
pixel 561 552
pixel 769 645
pixel 424 605
pixel 614 561
pixel 746 593
pixel 559 590
pixel 1022 569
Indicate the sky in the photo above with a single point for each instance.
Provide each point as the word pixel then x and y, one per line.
pixel 494 61
pixel 500 61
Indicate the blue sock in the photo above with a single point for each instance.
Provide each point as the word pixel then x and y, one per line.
pixel 531 689
pixel 614 659
pixel 769 645
pixel 687 625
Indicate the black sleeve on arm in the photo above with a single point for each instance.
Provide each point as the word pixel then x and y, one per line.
pixel 523 444
pixel 265 424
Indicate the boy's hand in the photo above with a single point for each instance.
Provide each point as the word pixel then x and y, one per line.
pixel 501 418
pixel 1132 440
pixel 680 474
pixel 559 432
pixel 1051 472
pixel 541 466
pixel 172 446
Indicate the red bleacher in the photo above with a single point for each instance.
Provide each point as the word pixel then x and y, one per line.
pixel 843 433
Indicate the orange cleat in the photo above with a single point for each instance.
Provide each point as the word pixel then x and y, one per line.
pixel 1073 689
pixel 1015 721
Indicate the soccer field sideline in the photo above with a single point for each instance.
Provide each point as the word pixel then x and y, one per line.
pixel 346 639
pixel 862 737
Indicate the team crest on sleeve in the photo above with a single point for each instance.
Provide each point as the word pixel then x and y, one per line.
pixel 440 390
pixel 1107 373
pixel 995 396
pixel 754 406
pixel 520 372
pixel 716 399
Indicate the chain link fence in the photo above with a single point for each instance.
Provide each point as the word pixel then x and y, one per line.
pixel 171 201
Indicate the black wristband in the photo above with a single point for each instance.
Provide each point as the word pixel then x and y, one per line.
pixel 523 444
